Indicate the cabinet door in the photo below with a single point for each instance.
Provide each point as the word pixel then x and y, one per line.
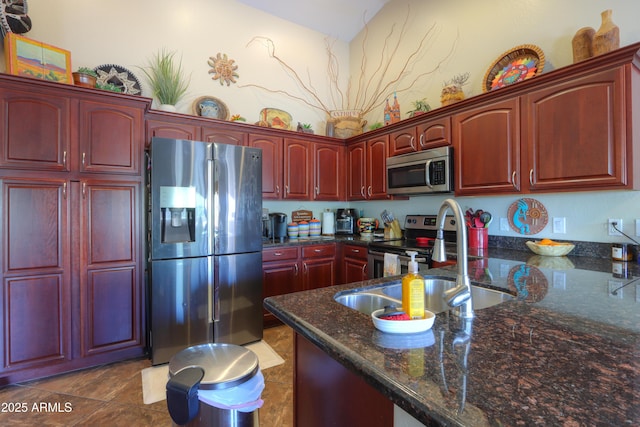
pixel 576 134
pixel 354 263
pixel 329 172
pixel 110 282
pixel 36 288
pixel 487 149
pixel 279 278
pixel 318 273
pixel 356 172
pixel 434 133
pixel 298 169
pixel 110 138
pixel 403 141
pixel 223 136
pixel 271 164
pixel 35 130
pixel 354 270
pixel 157 128
pixel 377 168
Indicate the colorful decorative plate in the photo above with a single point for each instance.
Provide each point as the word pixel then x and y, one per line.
pixel 275 118
pixel 515 65
pixel 208 106
pixel 119 76
pixel 527 216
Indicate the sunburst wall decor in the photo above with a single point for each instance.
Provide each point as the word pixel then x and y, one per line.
pixel 224 69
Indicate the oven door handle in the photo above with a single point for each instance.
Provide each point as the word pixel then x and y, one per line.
pixel 401 257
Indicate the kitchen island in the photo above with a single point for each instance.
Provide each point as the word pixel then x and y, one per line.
pixel 565 351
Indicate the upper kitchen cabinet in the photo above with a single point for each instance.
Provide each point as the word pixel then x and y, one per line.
pixel 271 146
pixel 111 137
pixel 224 136
pixel 298 169
pixel 329 175
pixel 483 136
pixel 25 146
pixel 157 128
pixel 367 162
pixel 431 133
pixel 572 129
pixel 576 134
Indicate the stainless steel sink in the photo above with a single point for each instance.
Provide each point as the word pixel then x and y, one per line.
pixel 369 300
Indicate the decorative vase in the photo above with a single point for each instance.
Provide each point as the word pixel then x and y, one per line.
pixel 582 44
pixel 607 38
pixel 167 107
pixel 348 123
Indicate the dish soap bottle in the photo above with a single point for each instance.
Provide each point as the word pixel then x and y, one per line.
pixel 413 290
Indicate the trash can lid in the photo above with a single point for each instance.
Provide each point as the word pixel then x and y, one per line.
pixel 224 365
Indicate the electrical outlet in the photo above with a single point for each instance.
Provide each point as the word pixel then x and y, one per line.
pixel 504 224
pixel 560 225
pixel 613 231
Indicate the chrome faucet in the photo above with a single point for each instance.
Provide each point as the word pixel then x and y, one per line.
pixel 460 296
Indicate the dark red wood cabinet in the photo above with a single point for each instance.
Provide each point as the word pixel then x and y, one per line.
pixel 72 239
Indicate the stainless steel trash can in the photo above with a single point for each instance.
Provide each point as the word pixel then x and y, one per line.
pixel 215 385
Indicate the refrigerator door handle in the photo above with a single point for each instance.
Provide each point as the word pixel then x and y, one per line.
pixel 214 297
pixel 209 201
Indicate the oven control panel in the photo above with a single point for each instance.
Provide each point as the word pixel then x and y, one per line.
pixel 428 222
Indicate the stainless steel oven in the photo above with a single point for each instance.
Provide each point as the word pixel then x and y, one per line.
pixel 423 172
pixel 420 232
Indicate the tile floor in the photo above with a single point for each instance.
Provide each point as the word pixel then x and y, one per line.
pixel 111 395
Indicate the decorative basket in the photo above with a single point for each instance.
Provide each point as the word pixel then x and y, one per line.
pixel 515 65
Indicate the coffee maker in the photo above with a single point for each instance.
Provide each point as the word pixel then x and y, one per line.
pixel 277 226
pixel 346 220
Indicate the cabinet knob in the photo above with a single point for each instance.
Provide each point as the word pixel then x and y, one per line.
pixel 64 159
pixel 277 189
pixel 513 180
pixel 412 143
pixel 531 177
pixel 369 191
pixel 364 196
pixel 422 140
pixel 277 254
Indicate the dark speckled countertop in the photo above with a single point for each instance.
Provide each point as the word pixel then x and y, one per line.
pixel 565 351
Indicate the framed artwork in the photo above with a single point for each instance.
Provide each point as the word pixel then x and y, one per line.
pixel 30 58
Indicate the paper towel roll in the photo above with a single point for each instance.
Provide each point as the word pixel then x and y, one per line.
pixel 328 224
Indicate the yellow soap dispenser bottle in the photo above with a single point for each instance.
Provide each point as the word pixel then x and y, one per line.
pixel 413 290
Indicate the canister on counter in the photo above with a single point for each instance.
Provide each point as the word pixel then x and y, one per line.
pixel 292 230
pixel 621 252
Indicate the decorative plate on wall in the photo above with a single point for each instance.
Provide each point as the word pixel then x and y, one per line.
pixel 527 216
pixel 515 65
pixel 119 76
pixel 208 106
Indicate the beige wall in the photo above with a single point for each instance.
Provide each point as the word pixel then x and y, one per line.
pixel 127 32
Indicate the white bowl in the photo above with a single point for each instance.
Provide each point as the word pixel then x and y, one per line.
pixel 559 249
pixel 403 326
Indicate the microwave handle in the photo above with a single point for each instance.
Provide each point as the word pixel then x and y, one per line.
pixel 427 169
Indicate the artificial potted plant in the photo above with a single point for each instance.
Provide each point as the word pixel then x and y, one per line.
pixel 420 106
pixel 166 78
pixel 85 77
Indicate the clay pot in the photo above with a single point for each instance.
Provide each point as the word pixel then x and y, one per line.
pixel 84 80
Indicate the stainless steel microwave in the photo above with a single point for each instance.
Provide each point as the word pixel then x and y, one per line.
pixel 422 172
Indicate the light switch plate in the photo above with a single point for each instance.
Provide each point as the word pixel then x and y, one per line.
pixel 560 225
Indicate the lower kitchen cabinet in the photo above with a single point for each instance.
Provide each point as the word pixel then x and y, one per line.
pixel 328 394
pixel 71 292
pixel 354 263
pixel 296 268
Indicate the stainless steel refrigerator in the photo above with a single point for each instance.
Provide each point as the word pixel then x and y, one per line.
pixel 205 245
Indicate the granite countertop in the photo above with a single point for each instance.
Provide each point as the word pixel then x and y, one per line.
pixel 350 239
pixel 565 351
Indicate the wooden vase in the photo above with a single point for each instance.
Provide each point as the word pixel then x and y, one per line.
pixel 582 44
pixel 607 38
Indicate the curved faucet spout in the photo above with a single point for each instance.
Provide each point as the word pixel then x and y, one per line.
pixel 460 296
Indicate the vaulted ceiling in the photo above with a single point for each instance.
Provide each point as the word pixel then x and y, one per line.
pixel 342 19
